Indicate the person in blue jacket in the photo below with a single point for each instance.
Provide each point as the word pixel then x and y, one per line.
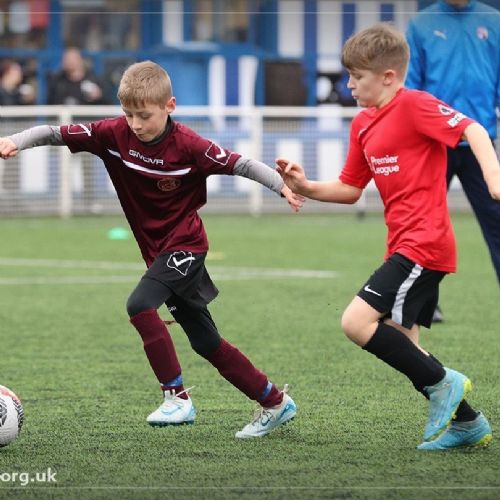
pixel 455 55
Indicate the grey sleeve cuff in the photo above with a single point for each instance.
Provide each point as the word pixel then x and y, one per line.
pixel 42 135
pixel 259 172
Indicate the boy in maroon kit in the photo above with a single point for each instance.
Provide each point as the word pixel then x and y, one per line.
pixel 159 169
pixel 400 141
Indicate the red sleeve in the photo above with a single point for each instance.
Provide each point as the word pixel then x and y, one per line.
pixel 356 171
pixel 85 137
pixel 437 120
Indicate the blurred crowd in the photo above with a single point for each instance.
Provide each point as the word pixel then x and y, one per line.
pixel 74 83
pixel 15 85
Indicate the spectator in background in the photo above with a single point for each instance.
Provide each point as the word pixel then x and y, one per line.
pixel 455 55
pixel 75 83
pixel 13 91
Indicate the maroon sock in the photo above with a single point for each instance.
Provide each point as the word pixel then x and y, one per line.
pixel 237 369
pixel 273 398
pixel 158 345
pixel 175 385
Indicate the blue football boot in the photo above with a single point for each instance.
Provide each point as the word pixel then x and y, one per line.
pixel 444 398
pixel 474 434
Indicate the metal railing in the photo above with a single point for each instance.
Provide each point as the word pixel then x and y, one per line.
pixel 52 181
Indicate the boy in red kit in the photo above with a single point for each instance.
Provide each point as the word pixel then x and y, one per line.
pixel 400 141
pixel 159 169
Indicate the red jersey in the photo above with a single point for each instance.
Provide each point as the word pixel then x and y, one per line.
pixel 402 146
pixel 160 187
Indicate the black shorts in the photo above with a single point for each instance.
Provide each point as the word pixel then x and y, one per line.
pixel 186 275
pixel 403 291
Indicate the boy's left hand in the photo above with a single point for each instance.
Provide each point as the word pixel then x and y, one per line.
pixel 296 201
pixel 493 183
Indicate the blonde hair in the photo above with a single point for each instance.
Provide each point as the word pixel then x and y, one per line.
pixel 144 83
pixel 377 49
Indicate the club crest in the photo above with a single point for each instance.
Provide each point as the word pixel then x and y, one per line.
pixel 168 183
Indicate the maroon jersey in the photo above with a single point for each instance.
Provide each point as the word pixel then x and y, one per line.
pixel 160 187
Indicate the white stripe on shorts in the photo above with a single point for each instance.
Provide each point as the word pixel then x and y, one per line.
pixel 397 308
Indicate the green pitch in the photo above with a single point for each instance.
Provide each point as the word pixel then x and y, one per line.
pixel 69 352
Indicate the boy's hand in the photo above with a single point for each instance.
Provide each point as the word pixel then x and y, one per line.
pixel 7 148
pixel 293 175
pixel 294 200
pixel 493 183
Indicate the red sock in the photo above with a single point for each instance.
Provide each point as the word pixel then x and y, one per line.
pixel 158 345
pixel 237 369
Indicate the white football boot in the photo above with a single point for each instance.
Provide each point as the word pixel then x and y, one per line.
pixel 267 419
pixel 173 411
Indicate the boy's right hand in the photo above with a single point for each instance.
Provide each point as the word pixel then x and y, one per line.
pixel 7 148
pixel 293 175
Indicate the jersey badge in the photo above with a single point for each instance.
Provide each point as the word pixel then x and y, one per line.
pixel 217 154
pixel 168 183
pixel 482 33
pixel 80 128
pixel 445 110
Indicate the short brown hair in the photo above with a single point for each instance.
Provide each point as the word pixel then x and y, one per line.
pixel 377 49
pixel 144 82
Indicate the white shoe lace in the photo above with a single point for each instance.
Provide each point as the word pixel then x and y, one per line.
pixel 261 412
pixel 172 398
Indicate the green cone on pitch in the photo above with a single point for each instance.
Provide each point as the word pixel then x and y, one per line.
pixel 118 233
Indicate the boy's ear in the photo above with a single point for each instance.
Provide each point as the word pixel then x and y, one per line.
pixel 389 76
pixel 171 104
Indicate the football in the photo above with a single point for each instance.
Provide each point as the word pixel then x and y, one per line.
pixel 11 416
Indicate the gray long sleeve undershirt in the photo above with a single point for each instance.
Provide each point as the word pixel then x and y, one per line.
pixel 259 172
pixel 50 135
pixel 42 135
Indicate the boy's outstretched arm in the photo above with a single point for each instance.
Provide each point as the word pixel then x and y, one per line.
pixel 268 177
pixel 331 191
pixel 42 135
pixel 480 143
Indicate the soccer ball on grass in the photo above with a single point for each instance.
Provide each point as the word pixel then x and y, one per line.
pixel 11 416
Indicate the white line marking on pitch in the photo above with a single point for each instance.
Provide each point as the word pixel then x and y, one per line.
pixel 218 273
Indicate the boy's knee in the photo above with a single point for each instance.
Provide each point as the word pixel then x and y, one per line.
pixel 198 326
pixel 355 328
pixel 135 306
pixel 349 325
pixel 205 346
